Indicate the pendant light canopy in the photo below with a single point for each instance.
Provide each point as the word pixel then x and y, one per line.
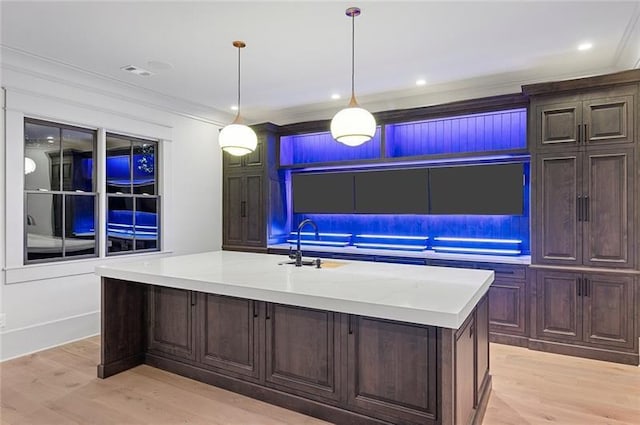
pixel 353 125
pixel 238 139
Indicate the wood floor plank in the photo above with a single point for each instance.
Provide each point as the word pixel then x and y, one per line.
pixel 59 386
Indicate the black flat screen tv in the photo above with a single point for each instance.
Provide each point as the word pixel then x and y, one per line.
pixel 392 192
pixel 495 189
pixel 322 193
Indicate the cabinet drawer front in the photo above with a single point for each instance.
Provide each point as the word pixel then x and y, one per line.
pixel 505 271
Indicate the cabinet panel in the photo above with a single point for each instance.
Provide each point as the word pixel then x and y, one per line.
pixel 558 124
pixel 255 158
pixel 231 162
pixel 609 120
pixel 482 343
pixel 558 234
pixel 507 306
pixel 392 370
pixel 465 382
pixel 608 223
pixel 609 310
pixel 229 338
pixel 171 321
pixel 254 211
pixel 303 351
pixel 232 211
pixel 559 306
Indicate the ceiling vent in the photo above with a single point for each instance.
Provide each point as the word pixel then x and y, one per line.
pixel 137 70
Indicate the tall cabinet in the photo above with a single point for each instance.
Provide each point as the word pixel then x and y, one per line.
pixel 252 194
pixel 583 138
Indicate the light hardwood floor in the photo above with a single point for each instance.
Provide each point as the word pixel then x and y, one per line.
pixel 59 386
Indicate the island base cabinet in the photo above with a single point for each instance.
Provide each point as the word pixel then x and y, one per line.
pixel 228 335
pixel 392 370
pixel 303 351
pixel 342 368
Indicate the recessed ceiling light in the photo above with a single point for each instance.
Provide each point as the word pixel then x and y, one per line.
pixel 234 107
pixel 335 96
pixel 585 46
pixel 137 70
pixel 421 82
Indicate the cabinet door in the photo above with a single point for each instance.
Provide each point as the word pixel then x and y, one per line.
pixel 171 321
pixel 608 217
pixel 392 368
pixel 233 210
pixel 558 232
pixel 559 306
pixel 507 306
pixel 255 159
pixel 228 334
pixel 231 162
pixel 609 310
pixel 465 371
pixel 303 355
pixel 558 124
pixel 608 120
pixel 482 343
pixel 254 233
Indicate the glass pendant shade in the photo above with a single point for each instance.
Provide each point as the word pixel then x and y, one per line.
pixel 238 139
pixel 353 126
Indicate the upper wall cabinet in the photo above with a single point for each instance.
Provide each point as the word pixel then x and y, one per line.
pixel 595 118
pixel 482 133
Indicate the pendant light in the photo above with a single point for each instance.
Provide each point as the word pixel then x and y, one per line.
pixel 353 125
pixel 238 139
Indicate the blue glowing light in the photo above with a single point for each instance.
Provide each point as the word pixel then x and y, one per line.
pixel 391 246
pixel 480 240
pixel 478 250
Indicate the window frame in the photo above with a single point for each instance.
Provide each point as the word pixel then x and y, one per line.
pixel 134 196
pixel 64 193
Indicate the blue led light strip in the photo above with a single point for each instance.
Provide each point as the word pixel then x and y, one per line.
pixel 337 235
pixel 478 250
pixel 448 239
pixel 416 238
pixel 391 246
pixel 312 242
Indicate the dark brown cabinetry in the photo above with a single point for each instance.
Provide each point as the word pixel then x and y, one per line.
pixel 252 194
pixel 406 387
pixel 584 208
pixel 171 322
pixel 303 351
pixel 595 309
pixel 465 371
pixel 229 334
pixel 589 119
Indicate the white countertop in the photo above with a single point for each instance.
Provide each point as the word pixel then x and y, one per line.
pixel 437 296
pixel 426 254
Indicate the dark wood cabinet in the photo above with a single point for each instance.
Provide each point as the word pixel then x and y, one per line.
pixel 586 308
pixel 465 373
pixel 243 212
pixel 171 322
pixel 405 388
pixel 508 306
pixel 482 345
pixel 252 194
pixel 229 334
pixel 592 118
pixel 303 351
pixel 584 208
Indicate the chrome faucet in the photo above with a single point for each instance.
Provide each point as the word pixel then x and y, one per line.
pixel 298 255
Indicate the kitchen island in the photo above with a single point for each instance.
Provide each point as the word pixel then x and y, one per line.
pixel 352 342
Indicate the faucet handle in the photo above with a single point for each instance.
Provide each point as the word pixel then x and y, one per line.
pixel 291 254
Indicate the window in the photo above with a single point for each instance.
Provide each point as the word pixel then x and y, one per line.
pixel 59 192
pixel 132 194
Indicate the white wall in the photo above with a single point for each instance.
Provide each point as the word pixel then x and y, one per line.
pixel 50 304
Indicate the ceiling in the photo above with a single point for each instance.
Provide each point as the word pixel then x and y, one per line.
pixel 298 52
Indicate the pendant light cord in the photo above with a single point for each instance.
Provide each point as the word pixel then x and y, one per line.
pixel 239 81
pixel 353 49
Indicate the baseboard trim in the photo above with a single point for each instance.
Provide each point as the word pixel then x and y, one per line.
pixel 518 341
pixel 586 352
pixel 43 336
